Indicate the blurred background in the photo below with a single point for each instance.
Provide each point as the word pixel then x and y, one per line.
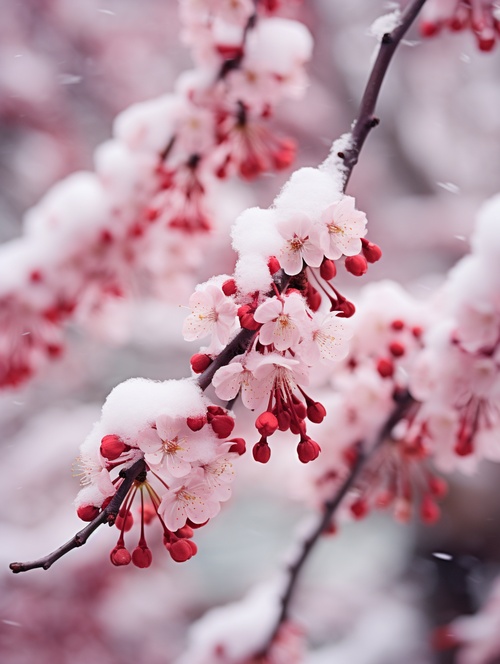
pixel 373 594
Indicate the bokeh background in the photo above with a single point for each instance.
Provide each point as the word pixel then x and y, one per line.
pixel 374 593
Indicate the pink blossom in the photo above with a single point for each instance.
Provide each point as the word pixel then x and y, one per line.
pixel 229 380
pixel 274 372
pixel 219 474
pixel 169 445
pixel 328 341
pixel 342 229
pixel 285 321
pixel 188 499
pixel 302 243
pixel 212 313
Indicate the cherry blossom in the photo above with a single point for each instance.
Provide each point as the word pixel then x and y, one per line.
pixel 284 321
pixel 342 229
pixel 188 499
pixel 302 243
pixel 212 313
pixel 329 340
pixel 169 445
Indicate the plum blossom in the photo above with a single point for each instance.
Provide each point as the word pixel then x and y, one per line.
pixel 170 445
pixel 273 372
pixel 188 499
pixel 284 320
pixel 302 243
pixel 229 380
pixel 219 473
pixel 342 229
pixel 329 340
pixel 212 313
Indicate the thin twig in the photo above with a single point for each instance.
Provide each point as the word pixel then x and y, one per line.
pixel 108 515
pixel 366 119
pixel 330 507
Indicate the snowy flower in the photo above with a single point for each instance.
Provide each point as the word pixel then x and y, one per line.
pixel 188 499
pixel 302 243
pixel 169 445
pixel 342 229
pixel 284 320
pixel 212 313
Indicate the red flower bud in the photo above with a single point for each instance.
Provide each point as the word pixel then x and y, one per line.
pixel 112 446
pixel 247 321
pixel 238 446
pixel 397 325
pixel 437 486
pixel 87 512
pixel 181 551
pixel 328 269
pixel 185 532
pixel 120 556
pixel 196 423
pixel 266 424
pixel 142 557
pixel 200 362
pixel 124 521
pixel 359 508
pixel 346 308
pixel 313 298
pixel 308 450
pixel 385 367
pixel 429 511
pixel 273 264
pixel 356 265
pixel 284 420
pixel 222 425
pixel 316 412
pixel 372 252
pixel 261 452
pixel 229 287
pixel 397 349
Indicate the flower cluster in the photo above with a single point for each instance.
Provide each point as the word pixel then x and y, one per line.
pixel 480 16
pixel 96 238
pixel 183 440
pixel 281 294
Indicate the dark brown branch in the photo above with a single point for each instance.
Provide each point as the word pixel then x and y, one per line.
pixel 330 507
pixel 108 515
pixel 366 119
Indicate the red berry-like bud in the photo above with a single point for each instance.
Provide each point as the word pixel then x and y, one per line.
pixel 181 551
pixel 200 362
pixel 238 446
pixel 284 156
pixel 247 321
pixel 464 445
pixel 124 521
pixel 356 265
pixel 417 332
pixel 229 287
pixel 308 450
pixel 385 367
pixel 347 309
pixel 273 264
pixel 313 298
pixel 359 508
pixel 261 452
pixel 185 532
pixel 429 511
pixel 429 28
pixel 397 349
pixel 300 409
pixel 397 325
pixel 297 428
pixel 284 420
pixel 316 412
pixel 112 446
pixel 438 487
pixel 266 424
pixel 372 252
pixel 148 513
pixel 328 269
pixel 120 556
pixel 196 423
pixel 222 425
pixel 87 512
pixel 142 557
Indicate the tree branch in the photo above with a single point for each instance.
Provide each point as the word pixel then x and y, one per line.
pixel 108 515
pixel 366 119
pixel 330 507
